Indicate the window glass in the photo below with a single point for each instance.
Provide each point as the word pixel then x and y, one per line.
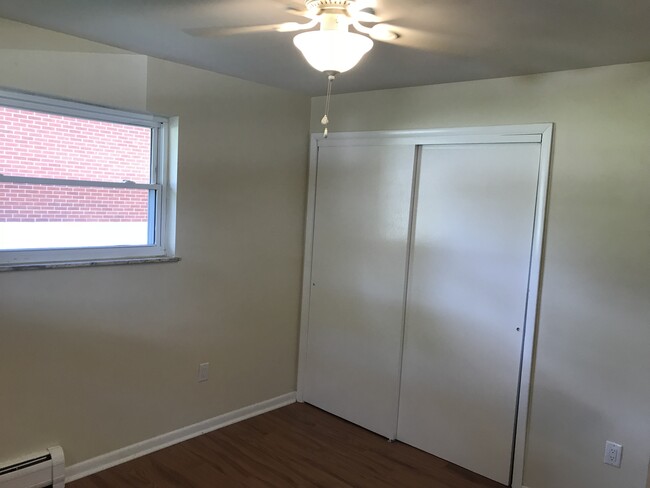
pixel 55 146
pixel 51 217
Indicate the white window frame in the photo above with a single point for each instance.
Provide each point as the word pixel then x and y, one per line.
pixel 161 178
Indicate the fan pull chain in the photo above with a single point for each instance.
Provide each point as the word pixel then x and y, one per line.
pixel 325 120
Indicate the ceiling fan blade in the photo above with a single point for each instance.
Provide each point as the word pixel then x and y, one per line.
pixel 366 16
pixel 364 5
pixel 384 33
pixel 428 41
pixel 289 4
pixel 231 31
pixel 295 26
pixel 300 12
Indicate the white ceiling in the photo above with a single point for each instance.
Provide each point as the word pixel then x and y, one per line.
pixel 457 39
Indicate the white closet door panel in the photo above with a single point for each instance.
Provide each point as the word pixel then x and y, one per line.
pixel 354 343
pixel 466 298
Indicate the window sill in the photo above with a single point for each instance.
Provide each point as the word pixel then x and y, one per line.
pixel 87 264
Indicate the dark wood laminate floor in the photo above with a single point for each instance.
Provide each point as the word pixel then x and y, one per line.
pixel 295 446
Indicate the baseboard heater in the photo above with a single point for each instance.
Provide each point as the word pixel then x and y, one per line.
pixel 40 470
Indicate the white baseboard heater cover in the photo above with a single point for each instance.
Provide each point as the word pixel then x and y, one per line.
pixel 40 470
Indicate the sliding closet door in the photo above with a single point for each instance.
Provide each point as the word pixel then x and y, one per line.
pixel 354 341
pixel 466 303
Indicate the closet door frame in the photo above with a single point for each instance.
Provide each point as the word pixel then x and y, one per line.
pixel 534 133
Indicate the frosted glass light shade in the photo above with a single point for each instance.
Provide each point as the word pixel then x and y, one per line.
pixel 332 50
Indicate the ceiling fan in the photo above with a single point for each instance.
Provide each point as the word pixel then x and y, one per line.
pixel 333 47
pixel 346 30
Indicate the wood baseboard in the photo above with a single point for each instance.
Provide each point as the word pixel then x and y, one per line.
pixel 108 460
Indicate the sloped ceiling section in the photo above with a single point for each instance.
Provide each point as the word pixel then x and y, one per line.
pixel 442 40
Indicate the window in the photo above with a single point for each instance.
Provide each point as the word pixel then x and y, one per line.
pixel 80 183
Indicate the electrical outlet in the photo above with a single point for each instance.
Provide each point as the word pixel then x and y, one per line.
pixel 203 372
pixel 613 454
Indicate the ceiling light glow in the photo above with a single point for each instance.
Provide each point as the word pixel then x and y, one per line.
pixel 332 51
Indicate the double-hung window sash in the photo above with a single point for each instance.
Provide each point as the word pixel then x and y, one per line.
pixel 106 215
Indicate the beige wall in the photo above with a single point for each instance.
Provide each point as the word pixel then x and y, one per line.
pixel 592 372
pixel 96 359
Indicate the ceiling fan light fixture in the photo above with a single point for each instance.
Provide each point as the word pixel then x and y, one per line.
pixel 332 50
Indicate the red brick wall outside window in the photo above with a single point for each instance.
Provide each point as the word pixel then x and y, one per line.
pixel 51 146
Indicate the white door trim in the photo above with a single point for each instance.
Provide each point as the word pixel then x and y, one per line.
pixel 306 272
pixel 541 133
pixel 532 308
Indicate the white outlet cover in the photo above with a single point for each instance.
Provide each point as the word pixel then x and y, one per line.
pixel 613 454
